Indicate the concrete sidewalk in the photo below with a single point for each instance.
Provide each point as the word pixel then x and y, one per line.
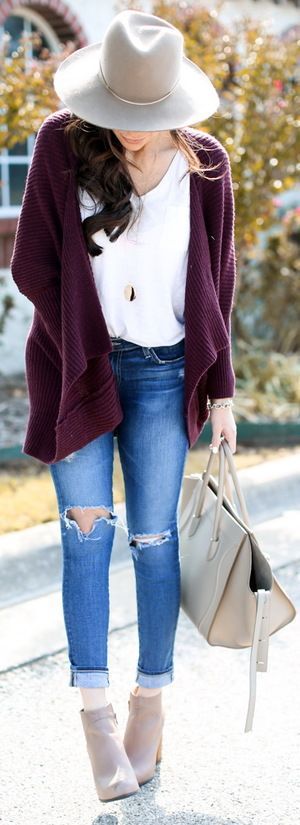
pixel 212 773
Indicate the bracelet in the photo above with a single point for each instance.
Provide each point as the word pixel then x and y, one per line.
pixel 217 405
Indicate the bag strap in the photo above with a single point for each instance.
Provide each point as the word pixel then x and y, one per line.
pixel 199 502
pixel 236 482
pixel 259 650
pixel 224 453
pixel 261 632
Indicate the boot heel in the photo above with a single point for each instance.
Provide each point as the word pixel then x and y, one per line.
pixel 159 752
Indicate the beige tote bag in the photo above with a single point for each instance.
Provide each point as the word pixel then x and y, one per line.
pixel 228 589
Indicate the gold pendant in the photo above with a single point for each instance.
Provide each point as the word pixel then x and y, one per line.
pixel 129 292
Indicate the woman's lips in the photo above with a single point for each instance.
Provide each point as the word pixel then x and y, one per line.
pixel 132 140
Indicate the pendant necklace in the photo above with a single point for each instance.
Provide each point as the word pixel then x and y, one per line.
pixel 129 292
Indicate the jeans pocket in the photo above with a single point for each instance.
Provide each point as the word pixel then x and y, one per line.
pixel 168 354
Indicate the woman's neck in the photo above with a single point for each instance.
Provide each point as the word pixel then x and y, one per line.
pixel 152 151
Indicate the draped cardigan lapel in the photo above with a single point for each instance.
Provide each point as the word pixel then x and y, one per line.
pixel 205 329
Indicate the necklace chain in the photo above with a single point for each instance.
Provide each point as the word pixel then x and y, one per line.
pixel 151 183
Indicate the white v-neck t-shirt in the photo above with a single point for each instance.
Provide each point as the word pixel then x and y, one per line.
pixel 149 261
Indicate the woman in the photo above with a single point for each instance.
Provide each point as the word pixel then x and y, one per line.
pixel 125 246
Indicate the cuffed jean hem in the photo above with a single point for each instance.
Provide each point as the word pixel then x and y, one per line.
pixel 89 678
pixel 154 679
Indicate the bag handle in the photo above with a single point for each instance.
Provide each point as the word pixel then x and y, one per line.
pixel 236 481
pixel 224 453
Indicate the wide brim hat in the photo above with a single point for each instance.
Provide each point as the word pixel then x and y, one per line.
pixel 137 78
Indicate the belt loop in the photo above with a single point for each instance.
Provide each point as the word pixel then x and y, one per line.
pixel 146 352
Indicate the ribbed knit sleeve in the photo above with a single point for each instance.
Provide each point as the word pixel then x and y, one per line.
pixel 36 257
pixel 221 223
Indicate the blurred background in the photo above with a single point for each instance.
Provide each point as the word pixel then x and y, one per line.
pixel 250 50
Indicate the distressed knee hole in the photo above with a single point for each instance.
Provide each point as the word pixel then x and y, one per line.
pixel 147 539
pixel 143 540
pixel 86 518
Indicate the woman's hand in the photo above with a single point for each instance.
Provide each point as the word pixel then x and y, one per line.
pixel 222 423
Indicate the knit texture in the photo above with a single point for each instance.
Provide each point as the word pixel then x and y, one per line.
pixel 73 394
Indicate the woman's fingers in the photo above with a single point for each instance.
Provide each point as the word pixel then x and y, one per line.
pixel 223 424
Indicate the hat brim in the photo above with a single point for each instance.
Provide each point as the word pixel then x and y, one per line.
pixel 79 85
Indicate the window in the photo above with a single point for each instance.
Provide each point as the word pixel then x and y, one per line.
pixel 14 162
pixel 14 165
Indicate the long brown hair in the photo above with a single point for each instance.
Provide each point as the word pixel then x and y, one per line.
pixel 103 173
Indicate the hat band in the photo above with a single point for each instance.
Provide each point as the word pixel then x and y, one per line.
pixel 133 102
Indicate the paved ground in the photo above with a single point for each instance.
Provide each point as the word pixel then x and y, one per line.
pixel 212 773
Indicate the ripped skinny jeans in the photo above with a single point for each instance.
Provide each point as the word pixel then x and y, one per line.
pixel 153 444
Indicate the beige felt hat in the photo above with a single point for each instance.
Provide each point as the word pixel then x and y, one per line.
pixel 136 79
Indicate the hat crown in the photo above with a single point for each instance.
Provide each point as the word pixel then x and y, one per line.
pixel 141 57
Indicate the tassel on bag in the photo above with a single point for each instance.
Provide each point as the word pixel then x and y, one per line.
pixel 228 589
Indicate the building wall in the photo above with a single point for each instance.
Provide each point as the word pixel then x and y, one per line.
pixel 86 22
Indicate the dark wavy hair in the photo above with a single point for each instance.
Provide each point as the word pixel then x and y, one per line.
pixel 102 172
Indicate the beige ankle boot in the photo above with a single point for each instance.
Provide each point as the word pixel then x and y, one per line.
pixel 113 774
pixel 143 734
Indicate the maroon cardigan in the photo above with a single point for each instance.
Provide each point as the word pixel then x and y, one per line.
pixel 72 390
